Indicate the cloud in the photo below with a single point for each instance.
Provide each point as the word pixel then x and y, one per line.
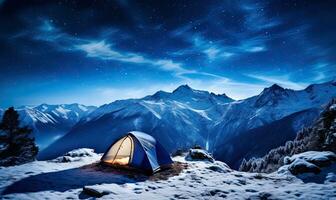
pixel 256 49
pixel 219 49
pixel 323 71
pixel 283 80
pixel 105 51
pixel 99 48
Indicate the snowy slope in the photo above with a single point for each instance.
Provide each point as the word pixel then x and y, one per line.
pixel 187 117
pixel 264 138
pixel 50 122
pixel 272 104
pixel 200 180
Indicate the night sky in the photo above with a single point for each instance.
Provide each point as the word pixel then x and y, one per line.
pixel 94 52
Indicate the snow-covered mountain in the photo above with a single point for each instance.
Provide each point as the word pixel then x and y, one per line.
pixel 50 122
pixel 178 119
pixel 187 117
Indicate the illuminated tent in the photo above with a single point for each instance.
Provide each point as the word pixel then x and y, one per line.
pixel 137 150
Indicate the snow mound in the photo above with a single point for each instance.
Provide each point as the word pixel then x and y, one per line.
pixel 319 158
pixel 199 154
pixel 300 166
pixel 76 155
pixel 81 152
pixel 309 161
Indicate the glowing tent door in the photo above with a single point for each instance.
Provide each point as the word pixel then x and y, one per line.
pixel 121 152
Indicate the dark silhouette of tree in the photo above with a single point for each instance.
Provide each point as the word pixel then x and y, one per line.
pixel 17 144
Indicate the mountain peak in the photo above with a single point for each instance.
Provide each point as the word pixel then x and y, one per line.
pixel 185 87
pixel 276 87
pixel 271 95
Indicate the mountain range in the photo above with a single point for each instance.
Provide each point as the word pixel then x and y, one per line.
pixel 187 117
pixel 50 122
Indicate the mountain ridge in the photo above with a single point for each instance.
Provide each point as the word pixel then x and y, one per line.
pixel 188 115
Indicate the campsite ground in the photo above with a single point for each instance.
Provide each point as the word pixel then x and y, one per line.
pixel 189 180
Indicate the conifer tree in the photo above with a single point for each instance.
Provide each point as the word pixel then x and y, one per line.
pixel 17 144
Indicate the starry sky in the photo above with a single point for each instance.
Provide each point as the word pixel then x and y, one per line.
pixel 94 52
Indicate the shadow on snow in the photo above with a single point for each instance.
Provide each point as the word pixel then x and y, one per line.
pixel 62 181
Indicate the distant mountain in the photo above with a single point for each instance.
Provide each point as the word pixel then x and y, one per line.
pixel 272 104
pixel 258 141
pixel 50 122
pixel 320 136
pixel 187 117
pixel 178 119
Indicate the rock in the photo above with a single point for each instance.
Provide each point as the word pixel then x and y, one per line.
pixel 199 154
pixel 178 152
pixel 300 166
pixel 75 155
pixel 318 158
pixel 94 192
pixel 219 167
pixel 83 152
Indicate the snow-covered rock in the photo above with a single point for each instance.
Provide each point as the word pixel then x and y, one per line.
pixel 319 158
pixel 83 152
pixel 308 162
pixel 300 166
pixel 199 154
pixel 76 155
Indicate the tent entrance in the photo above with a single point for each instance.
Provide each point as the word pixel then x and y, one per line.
pixel 121 153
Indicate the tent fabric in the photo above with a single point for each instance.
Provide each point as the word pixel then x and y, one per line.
pixel 137 150
pixel 121 152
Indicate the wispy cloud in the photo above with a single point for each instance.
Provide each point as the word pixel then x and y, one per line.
pixel 283 80
pixel 100 48
pixel 219 50
pixel 103 50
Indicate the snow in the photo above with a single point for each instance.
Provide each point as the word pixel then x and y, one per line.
pixel 332 107
pixel 199 154
pixel 318 157
pixel 313 166
pixel 75 155
pixel 51 121
pixel 299 166
pixel 200 180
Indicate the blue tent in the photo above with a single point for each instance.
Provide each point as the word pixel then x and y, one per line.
pixel 137 150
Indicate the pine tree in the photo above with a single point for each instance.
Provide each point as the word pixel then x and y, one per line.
pixel 17 144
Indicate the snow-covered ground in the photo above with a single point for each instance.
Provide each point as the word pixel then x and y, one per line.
pixel 65 179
